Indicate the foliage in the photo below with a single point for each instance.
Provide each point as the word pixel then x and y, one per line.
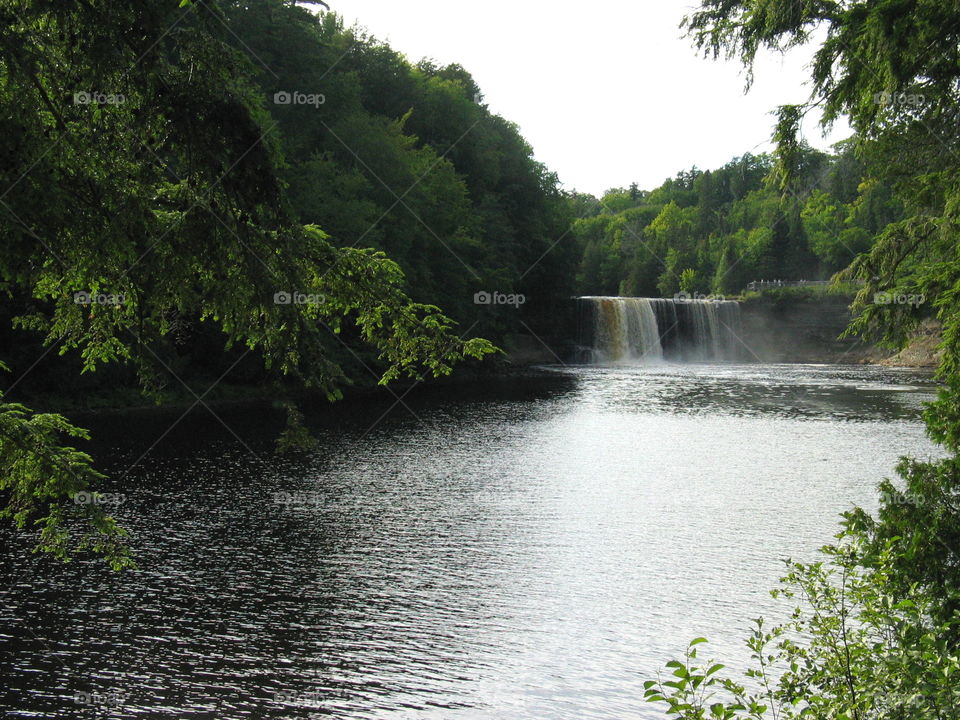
pixel 150 205
pixel 855 647
pixel 891 68
pixel 407 159
pixel 920 524
pixel 46 486
pixel 730 227
pixel 877 634
pixel 183 216
pixel 295 436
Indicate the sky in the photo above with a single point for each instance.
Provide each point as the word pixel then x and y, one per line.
pixel 607 92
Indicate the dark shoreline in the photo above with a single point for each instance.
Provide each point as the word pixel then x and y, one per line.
pixel 247 397
pixel 467 383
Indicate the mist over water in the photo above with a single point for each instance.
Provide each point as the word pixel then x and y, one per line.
pixel 530 548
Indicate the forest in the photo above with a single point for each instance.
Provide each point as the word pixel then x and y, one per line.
pixel 200 197
pixel 256 195
pixel 713 232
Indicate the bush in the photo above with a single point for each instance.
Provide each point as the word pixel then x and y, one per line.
pixel 856 647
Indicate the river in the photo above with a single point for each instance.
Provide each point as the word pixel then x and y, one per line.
pixel 530 548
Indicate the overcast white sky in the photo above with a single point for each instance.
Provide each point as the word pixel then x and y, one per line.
pixel 607 92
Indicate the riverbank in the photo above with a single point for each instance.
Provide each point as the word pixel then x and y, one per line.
pixel 227 397
pixel 921 351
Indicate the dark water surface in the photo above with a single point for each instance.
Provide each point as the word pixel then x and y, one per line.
pixel 533 548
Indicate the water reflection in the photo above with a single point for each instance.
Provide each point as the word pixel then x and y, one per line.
pixel 814 391
pixel 534 548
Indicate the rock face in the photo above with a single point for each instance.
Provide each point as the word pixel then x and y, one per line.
pixel 531 350
pixel 809 331
pixel 921 351
pixel 800 331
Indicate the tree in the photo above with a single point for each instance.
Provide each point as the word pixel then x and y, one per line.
pixel 854 648
pixel 140 168
pixel 37 473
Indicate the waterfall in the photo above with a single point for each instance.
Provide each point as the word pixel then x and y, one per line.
pixel 625 330
pixel 649 330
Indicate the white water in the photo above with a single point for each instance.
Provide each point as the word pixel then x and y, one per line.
pixel 625 330
pixel 629 330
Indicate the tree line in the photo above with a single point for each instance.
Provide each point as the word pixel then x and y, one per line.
pixel 712 232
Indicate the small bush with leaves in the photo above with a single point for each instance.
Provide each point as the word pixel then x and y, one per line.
pixel 852 649
pixel 295 435
pixel 40 478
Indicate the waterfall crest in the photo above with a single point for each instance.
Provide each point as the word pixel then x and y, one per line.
pixel 649 330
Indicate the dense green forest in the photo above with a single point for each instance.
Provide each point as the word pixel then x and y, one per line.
pixel 405 158
pixel 223 153
pixel 713 232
